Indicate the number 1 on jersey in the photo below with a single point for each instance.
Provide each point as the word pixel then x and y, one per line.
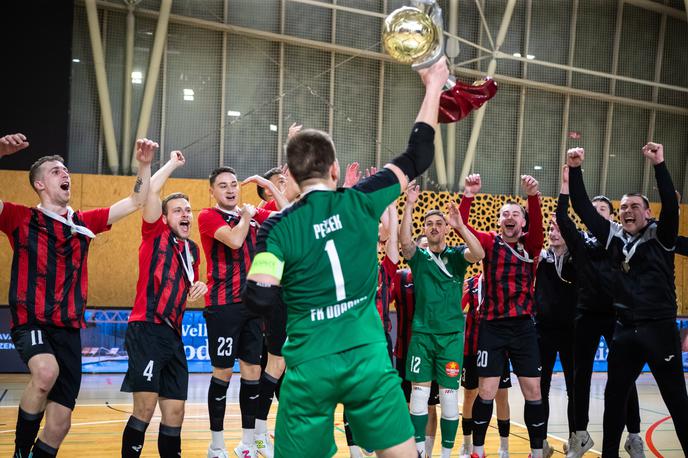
pixel 336 269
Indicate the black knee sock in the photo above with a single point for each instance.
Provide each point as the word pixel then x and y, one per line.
pixel 28 425
pixel 43 450
pixel 504 427
pixel 133 437
pixel 217 403
pixel 279 387
pixel 249 393
pixel 534 416
pixel 170 441
pixel 268 383
pixel 347 431
pixel 482 414
pixel 467 426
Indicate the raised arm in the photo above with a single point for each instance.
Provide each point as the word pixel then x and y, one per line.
pixel 421 147
pixel 153 208
pixel 474 250
pixel 567 227
pixel 535 237
pixel 471 186
pixel 392 243
pixel 145 150
pixel 408 248
pixel 10 144
pixel 596 224
pixel 280 200
pixel 667 226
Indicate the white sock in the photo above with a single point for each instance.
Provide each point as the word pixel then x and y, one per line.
pixel 536 453
pixel 248 436
pixel 504 443
pixel 355 451
pixel 429 445
pixel 468 441
pixel 633 434
pixel 261 426
pixel 420 447
pixel 446 452
pixel 217 441
pixel 479 450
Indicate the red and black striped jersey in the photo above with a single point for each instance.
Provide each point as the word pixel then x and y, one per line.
pixel 49 279
pixel 509 268
pixel 227 268
pixel 404 301
pixel 163 285
pixel 472 298
pixel 385 286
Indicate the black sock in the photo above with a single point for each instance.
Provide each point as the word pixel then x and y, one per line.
pixel 268 383
pixel 249 393
pixel 504 427
pixel 217 403
pixel 467 426
pixel 43 450
pixel 28 425
pixel 133 437
pixel 170 441
pixel 534 415
pixel 279 387
pixel 347 431
pixel 482 414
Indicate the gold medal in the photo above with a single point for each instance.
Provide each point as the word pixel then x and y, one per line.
pixel 625 266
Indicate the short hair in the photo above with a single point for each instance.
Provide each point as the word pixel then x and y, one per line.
pixel 267 175
pixel 33 171
pixel 310 154
pixel 513 202
pixel 174 195
pixel 219 171
pixel 646 201
pixel 604 199
pixel 434 212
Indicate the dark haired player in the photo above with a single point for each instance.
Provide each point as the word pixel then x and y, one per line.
pixel 644 292
pixel 48 290
pixel 168 271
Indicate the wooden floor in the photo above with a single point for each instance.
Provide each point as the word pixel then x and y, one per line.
pixel 102 412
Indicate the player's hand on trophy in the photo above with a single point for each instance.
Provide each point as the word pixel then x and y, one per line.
pixel 10 144
pixel 575 157
pixel 472 185
pixel 654 152
pixel 435 76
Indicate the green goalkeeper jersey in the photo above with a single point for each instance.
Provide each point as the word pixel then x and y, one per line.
pixel 327 243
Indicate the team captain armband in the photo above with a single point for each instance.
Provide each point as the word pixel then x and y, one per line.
pixel 268 264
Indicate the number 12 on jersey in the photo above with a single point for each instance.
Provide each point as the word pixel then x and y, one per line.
pixel 336 270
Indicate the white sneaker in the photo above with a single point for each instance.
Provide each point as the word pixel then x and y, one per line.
pixel 547 450
pixel 634 446
pixel 264 445
pixel 567 445
pixel 582 442
pixel 465 451
pixel 217 453
pixel 246 451
pixel 503 453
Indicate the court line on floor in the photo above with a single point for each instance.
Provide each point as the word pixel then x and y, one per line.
pixel 648 436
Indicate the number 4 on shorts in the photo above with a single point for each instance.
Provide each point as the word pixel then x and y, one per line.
pixel 148 371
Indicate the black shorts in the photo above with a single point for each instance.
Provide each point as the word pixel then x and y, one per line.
pixel 406 385
pixel 276 328
pixel 509 338
pixel 157 361
pixel 469 376
pixel 233 332
pixel 65 345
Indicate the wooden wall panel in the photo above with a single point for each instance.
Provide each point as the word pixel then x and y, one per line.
pixel 113 259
